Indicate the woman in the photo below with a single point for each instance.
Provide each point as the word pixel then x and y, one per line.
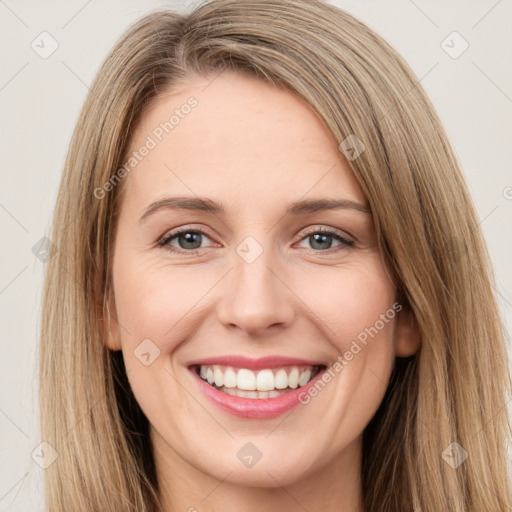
pixel 331 342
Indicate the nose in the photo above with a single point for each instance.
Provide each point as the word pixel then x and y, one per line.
pixel 256 298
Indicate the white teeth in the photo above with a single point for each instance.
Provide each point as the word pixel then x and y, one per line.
pixel 281 379
pixel 219 376
pixel 265 380
pixel 293 378
pixel 256 384
pixel 230 378
pixel 303 379
pixel 246 379
pixel 251 394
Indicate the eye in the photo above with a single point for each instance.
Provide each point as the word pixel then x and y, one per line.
pixel 321 239
pixel 190 240
pixel 187 238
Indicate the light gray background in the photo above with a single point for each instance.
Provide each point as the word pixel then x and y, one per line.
pixel 40 100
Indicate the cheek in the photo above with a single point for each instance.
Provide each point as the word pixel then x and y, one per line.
pixel 350 300
pixel 355 308
pixel 158 301
pixel 155 300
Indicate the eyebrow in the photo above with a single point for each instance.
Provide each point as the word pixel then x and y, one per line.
pixel 210 206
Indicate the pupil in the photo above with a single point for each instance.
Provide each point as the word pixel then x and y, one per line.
pixel 190 238
pixel 320 238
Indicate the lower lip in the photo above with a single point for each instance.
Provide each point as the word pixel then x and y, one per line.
pixel 255 408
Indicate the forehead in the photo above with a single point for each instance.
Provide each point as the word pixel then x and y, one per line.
pixel 239 138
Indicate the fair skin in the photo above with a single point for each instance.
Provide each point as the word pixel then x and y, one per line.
pixel 254 149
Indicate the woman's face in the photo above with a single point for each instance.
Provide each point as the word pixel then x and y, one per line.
pixel 270 273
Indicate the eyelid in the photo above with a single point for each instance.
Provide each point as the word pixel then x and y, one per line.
pixel 188 227
pixel 327 229
pixel 311 229
pixel 345 240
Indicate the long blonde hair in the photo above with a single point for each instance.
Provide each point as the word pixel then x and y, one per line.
pixel 453 390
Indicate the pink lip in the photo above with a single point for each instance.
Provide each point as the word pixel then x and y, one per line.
pixel 255 408
pixel 255 364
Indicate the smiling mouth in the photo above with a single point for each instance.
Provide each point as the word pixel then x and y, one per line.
pixel 259 384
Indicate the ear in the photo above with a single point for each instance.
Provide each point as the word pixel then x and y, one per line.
pixel 109 325
pixel 407 334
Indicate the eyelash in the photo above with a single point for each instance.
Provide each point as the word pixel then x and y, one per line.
pixel 344 242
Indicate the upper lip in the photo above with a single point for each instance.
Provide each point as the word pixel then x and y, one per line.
pixel 255 364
